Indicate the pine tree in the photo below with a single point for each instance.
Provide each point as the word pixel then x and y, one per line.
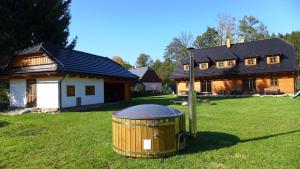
pixel 28 22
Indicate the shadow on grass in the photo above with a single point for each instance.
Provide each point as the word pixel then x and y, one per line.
pixel 268 136
pixel 208 141
pixel 3 123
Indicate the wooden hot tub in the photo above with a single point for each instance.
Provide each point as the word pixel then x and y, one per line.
pixel 148 131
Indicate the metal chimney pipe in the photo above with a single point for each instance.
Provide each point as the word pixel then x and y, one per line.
pixel 192 95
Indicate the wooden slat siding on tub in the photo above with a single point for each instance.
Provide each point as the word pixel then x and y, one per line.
pixel 121 133
pixel 138 138
pixel 128 137
pixel 144 136
pixel 162 134
pixel 156 138
pixel 132 138
pixel 150 134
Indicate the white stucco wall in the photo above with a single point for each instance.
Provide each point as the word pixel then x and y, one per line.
pixel 80 84
pixel 47 93
pixel 153 86
pixel 17 96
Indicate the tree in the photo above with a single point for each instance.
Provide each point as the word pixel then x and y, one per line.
pixel 251 29
pixel 165 70
pixel 25 23
pixel 294 39
pixel 226 27
pixel 143 60
pixel 177 48
pixel 207 39
pixel 262 32
pixel 246 28
pixel 156 65
pixel 119 60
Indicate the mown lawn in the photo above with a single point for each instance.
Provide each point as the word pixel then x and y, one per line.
pixel 247 133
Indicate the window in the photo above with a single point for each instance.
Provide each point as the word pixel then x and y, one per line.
pixel 249 85
pixel 186 67
pixel 230 63
pixel 70 91
pixel 226 64
pixel 205 86
pixel 89 90
pixel 220 64
pixel 273 59
pixel 187 84
pixel 250 61
pixel 274 82
pixel 203 66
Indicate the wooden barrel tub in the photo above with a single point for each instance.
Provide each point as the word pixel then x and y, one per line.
pixel 148 131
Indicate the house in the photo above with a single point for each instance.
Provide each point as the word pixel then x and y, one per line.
pixel 148 78
pixel 51 77
pixel 252 67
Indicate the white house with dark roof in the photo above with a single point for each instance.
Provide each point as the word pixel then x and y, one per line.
pixel 148 78
pixel 50 77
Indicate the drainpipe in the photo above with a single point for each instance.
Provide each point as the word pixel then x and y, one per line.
pixel 59 92
pixel 192 95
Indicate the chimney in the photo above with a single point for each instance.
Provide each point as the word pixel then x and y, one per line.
pixel 192 96
pixel 228 42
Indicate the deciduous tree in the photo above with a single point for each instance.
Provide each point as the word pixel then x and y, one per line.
pixel 226 27
pixel 143 60
pixel 119 60
pixel 177 47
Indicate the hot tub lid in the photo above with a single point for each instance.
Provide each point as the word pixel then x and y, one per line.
pixel 147 112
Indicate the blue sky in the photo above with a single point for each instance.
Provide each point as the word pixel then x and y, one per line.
pixel 128 28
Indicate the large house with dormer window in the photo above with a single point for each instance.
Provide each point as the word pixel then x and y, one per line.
pixel 258 67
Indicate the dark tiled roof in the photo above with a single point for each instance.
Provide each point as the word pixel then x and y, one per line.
pixel 240 51
pixel 68 60
pixel 202 59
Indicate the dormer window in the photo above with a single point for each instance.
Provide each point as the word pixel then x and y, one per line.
pixel 226 64
pixel 250 61
pixel 186 67
pixel 220 64
pixel 203 66
pixel 273 59
pixel 230 63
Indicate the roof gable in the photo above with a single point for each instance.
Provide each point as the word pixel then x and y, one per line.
pixel 146 74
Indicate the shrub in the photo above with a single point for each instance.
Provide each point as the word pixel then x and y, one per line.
pixel 139 88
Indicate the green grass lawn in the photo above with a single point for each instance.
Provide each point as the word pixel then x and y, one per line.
pixel 245 133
